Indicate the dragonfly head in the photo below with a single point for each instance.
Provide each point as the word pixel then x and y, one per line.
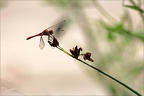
pixel 51 32
pixel 45 32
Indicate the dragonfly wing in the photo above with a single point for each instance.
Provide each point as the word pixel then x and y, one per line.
pixel 42 44
pixel 58 29
pixel 59 34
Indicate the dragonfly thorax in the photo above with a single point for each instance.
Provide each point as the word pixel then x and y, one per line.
pixel 47 32
pixel 51 32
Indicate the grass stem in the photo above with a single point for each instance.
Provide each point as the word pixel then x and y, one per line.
pixel 102 72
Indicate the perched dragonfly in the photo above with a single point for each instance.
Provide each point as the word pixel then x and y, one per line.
pixel 49 35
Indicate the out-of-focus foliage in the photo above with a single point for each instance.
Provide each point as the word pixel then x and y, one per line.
pixel 121 30
pixel 60 3
pixel 3 3
pixel 134 7
pixel 121 39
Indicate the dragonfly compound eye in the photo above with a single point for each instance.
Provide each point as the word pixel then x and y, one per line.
pixel 51 32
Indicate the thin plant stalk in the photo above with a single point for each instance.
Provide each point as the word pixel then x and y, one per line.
pixel 102 72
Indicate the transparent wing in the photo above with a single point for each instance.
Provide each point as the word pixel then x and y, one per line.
pixel 41 44
pixel 59 29
pixel 59 34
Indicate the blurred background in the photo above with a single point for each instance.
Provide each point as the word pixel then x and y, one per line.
pixel 111 30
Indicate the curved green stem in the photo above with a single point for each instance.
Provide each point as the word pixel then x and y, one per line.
pixel 118 81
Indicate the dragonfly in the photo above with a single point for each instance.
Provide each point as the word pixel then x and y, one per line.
pixel 49 33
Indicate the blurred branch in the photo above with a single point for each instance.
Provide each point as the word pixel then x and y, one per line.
pixel 103 11
pixel 120 28
pixel 135 7
pixel 127 20
pixel 3 3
